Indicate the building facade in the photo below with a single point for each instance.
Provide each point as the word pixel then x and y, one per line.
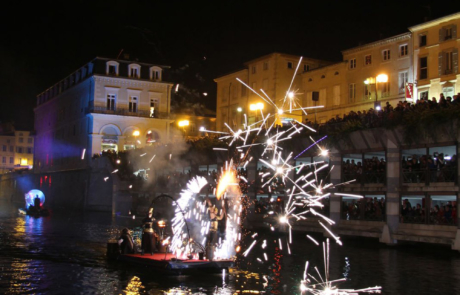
pixel 355 83
pixel 104 105
pixel 16 151
pixel 436 44
pixel 274 74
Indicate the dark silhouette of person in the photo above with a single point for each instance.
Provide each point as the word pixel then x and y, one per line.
pixel 149 244
pixel 37 203
pixel 125 242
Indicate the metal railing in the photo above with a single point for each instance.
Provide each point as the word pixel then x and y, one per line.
pixel 126 112
pixel 445 174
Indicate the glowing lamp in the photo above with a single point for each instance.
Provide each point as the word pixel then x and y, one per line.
pixel 136 133
pixel 324 152
pixel 291 95
pixel 239 109
pixel 161 223
pixel 283 219
pixel 382 78
pixel 202 128
pixel 256 106
pixel 23 162
pixel 30 196
pixel 183 123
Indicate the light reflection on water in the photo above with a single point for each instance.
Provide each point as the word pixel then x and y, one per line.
pixel 65 254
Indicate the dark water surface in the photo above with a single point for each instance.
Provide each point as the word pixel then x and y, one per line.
pixel 65 254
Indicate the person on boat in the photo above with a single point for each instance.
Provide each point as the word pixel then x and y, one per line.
pixel 214 218
pixel 125 242
pixel 149 241
pixel 37 203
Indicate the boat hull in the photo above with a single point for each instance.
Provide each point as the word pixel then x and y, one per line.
pixel 167 263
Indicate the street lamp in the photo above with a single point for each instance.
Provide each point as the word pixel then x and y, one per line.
pixel 255 107
pixel 136 133
pixel 183 124
pixel 381 78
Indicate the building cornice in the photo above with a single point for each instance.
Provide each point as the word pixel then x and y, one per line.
pixel 328 67
pixel 130 82
pixel 435 22
pixel 394 39
pixel 236 73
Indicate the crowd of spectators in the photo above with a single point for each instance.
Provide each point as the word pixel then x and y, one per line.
pixel 373 170
pixel 371 209
pixel 444 214
pixel 386 115
pixel 429 168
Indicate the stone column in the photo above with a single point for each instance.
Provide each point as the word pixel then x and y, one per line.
pixel 121 142
pixel 336 178
pixel 456 245
pixel 392 198
pixel 95 142
pixel 252 178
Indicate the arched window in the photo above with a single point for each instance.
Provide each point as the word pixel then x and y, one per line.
pixel 134 71
pixel 112 68
pixel 155 73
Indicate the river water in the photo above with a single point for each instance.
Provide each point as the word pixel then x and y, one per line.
pixel 65 254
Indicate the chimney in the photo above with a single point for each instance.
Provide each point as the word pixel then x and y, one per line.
pixel 126 56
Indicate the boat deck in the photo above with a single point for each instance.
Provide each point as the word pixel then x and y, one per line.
pixel 167 262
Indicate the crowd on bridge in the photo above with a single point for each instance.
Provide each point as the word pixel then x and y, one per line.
pixel 386 115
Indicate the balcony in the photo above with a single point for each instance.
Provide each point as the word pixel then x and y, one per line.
pixel 125 112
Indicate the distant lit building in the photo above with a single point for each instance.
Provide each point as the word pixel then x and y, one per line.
pixel 191 124
pixel 105 105
pixel 355 83
pixel 436 47
pixel 273 73
pixel 16 150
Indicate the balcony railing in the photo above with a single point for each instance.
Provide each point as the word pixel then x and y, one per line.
pixel 126 112
pixel 446 174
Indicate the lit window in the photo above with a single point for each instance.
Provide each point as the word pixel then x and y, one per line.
pixel 368 60
pixel 154 108
pixel 403 79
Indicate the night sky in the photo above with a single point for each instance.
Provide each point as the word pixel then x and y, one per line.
pixel 42 43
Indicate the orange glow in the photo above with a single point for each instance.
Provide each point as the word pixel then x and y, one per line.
pixel 226 179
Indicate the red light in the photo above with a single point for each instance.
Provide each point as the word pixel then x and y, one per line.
pixel 50 181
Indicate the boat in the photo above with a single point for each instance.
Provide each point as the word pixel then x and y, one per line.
pixel 34 204
pixel 168 263
pixel 33 212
